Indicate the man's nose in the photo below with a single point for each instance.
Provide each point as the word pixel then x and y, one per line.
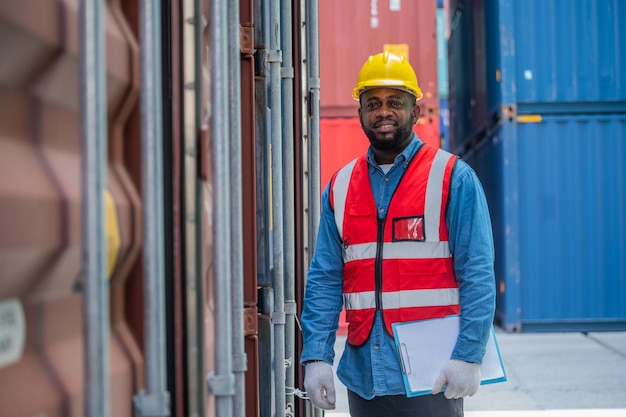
pixel 384 110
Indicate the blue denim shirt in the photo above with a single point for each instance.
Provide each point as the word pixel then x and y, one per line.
pixel 373 369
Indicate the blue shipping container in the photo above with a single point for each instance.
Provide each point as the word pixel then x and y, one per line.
pixel 533 56
pixel 444 124
pixel 442 55
pixel 557 195
pixel 474 70
pixel 565 51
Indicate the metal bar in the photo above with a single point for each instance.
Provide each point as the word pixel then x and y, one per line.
pixel 304 136
pixel 289 201
pixel 278 315
pixel 154 400
pixel 94 131
pixel 221 383
pixel 236 212
pixel 314 138
pixel 191 30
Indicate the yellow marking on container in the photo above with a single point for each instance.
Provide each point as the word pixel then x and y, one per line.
pixel 112 231
pixel 529 118
pixel 398 49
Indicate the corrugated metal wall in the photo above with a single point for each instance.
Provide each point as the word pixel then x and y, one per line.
pixel 42 270
pixel 351 30
pixel 557 194
pixel 569 51
pixel 557 56
pixel 538 108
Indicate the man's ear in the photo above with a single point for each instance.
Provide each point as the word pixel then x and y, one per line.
pixel 416 111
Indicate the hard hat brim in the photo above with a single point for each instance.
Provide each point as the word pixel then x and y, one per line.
pixel 371 84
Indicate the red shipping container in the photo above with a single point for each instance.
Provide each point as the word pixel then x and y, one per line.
pixel 342 140
pixel 352 30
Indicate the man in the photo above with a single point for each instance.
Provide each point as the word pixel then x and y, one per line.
pixel 405 235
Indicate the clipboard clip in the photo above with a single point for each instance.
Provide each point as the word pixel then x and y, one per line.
pixel 404 359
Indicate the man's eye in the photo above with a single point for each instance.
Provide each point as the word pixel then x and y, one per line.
pixel 372 105
pixel 395 104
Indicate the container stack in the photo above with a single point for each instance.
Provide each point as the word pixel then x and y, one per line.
pixel 538 108
pixel 352 30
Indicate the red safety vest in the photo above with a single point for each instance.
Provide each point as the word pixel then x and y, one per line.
pixel 400 264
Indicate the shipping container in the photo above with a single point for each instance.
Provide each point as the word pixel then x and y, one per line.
pixel 139 198
pixel 342 140
pixel 538 107
pixel 352 30
pixel 557 194
pixel 473 70
pixel 442 53
pixel 525 57
pixel 444 124
pixel 42 275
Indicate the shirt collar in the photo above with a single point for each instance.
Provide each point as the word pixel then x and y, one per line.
pixel 404 157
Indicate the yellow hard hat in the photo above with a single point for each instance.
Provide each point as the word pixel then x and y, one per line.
pixel 387 70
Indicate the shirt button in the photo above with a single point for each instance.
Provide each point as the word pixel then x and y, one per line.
pixel 386 179
pixel 375 347
pixel 381 210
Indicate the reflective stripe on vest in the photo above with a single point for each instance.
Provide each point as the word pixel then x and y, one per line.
pixel 402 299
pixel 340 190
pixel 398 250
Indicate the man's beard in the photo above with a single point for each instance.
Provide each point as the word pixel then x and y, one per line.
pixel 397 143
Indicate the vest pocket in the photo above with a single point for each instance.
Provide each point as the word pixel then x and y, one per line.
pixel 408 229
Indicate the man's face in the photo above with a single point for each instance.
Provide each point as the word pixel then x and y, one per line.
pixel 387 117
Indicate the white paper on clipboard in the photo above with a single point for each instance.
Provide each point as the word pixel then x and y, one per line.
pixel 425 346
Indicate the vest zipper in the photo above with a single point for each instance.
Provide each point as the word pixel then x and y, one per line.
pixel 378 263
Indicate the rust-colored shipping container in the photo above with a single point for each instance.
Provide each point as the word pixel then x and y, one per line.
pixel 45 360
pixel 41 270
pixel 351 30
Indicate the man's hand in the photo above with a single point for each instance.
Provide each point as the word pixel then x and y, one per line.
pixel 320 385
pixel 460 378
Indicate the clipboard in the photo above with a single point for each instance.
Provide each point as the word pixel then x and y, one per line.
pixel 425 346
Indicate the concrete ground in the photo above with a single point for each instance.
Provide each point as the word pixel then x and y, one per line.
pixel 548 375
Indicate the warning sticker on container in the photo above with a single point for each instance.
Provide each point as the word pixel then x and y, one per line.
pixel 398 49
pixel 12 331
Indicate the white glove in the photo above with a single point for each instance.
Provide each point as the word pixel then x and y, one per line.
pixel 460 378
pixel 320 385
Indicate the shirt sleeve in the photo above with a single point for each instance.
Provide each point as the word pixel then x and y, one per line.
pixel 471 242
pixel 323 292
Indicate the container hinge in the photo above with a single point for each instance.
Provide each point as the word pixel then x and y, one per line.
pixel 509 112
pixel 278 317
pixel 314 83
pixel 221 385
pixel 246 39
pixel 240 363
pixel 290 308
pixel 250 321
pixel 287 72
pixel 152 405
pixel 274 55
